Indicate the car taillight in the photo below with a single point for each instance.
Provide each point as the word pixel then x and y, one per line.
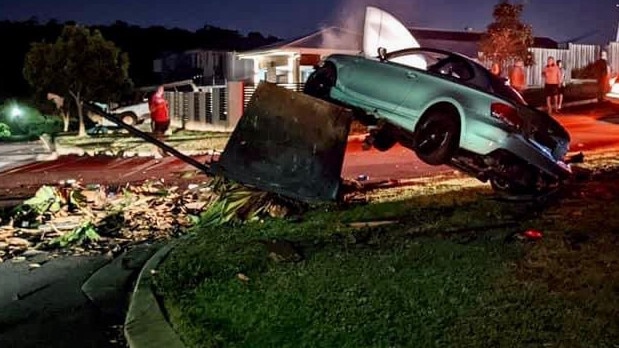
pixel 507 114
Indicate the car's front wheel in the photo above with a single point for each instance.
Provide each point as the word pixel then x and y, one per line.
pixel 436 137
pixel 321 81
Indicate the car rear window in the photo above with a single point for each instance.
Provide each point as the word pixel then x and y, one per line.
pixel 501 87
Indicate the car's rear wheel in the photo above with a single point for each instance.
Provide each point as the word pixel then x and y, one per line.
pixel 436 137
pixel 321 81
pixel 129 118
pixel 383 141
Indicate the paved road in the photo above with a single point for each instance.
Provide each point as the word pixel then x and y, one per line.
pixel 17 154
pixel 44 307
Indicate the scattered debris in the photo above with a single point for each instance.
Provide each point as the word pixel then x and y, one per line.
pixel 530 235
pixel 369 224
pixel 362 177
pixel 94 219
pixel 71 218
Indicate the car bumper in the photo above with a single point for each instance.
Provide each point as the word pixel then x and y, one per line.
pixel 613 97
pixel 530 151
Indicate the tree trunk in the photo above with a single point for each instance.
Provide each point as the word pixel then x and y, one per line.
pixel 80 114
pixel 65 121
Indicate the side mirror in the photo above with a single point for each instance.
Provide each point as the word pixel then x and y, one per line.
pixel 382 53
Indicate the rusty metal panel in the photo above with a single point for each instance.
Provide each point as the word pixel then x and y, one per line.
pixel 288 143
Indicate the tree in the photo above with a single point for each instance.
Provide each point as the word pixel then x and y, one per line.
pixel 80 65
pixel 507 38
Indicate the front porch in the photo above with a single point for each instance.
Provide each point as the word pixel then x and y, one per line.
pixel 292 62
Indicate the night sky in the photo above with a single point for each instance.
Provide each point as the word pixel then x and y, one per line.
pixel 561 20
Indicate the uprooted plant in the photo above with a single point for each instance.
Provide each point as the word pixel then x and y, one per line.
pixel 236 203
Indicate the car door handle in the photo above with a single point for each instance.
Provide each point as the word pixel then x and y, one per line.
pixel 411 75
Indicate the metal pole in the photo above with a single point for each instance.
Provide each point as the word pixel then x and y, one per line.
pixel 149 138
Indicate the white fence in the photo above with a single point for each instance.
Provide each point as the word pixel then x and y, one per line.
pixel 575 56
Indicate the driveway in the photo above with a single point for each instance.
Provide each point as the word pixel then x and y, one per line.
pixel 17 154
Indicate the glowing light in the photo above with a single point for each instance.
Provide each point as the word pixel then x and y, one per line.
pixel 16 111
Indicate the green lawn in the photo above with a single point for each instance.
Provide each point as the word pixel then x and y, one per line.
pixel 446 275
pixel 184 141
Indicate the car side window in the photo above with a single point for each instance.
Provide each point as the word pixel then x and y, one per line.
pixel 453 68
pixel 457 69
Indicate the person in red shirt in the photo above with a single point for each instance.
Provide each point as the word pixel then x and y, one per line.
pixel 552 78
pixel 159 115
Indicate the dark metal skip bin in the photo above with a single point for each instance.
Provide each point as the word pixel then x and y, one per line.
pixel 288 143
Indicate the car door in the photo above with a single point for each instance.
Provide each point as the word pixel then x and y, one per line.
pixel 379 86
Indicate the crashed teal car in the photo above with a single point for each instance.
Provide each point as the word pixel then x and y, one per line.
pixel 449 110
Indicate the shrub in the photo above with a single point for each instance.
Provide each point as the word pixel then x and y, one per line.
pixel 5 130
pixel 585 73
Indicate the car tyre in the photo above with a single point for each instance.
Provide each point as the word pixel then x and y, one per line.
pixel 436 138
pixel 321 81
pixel 383 141
pixel 129 118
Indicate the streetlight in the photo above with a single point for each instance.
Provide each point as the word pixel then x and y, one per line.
pixel 16 111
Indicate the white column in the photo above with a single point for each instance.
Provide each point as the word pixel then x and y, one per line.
pixel 256 70
pixel 290 78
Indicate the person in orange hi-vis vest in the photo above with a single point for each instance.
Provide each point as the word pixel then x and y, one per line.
pixel 159 116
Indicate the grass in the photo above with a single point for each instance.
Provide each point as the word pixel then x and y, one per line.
pixel 447 274
pixel 184 141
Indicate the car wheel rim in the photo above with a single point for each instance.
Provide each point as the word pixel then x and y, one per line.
pixel 435 136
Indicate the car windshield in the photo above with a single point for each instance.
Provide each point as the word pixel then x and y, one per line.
pixel 437 62
pixel 455 67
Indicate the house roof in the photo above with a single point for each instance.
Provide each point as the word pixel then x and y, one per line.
pixel 343 39
pixel 470 36
pixel 327 38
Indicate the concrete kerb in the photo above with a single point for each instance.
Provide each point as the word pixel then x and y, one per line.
pixel 145 324
pixel 109 286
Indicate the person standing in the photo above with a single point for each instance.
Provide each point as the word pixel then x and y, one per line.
pixel 602 75
pixel 517 77
pixel 495 69
pixel 552 77
pixel 159 115
pixel 561 85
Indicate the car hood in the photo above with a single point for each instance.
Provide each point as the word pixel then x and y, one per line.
pixel 129 107
pixel 381 29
